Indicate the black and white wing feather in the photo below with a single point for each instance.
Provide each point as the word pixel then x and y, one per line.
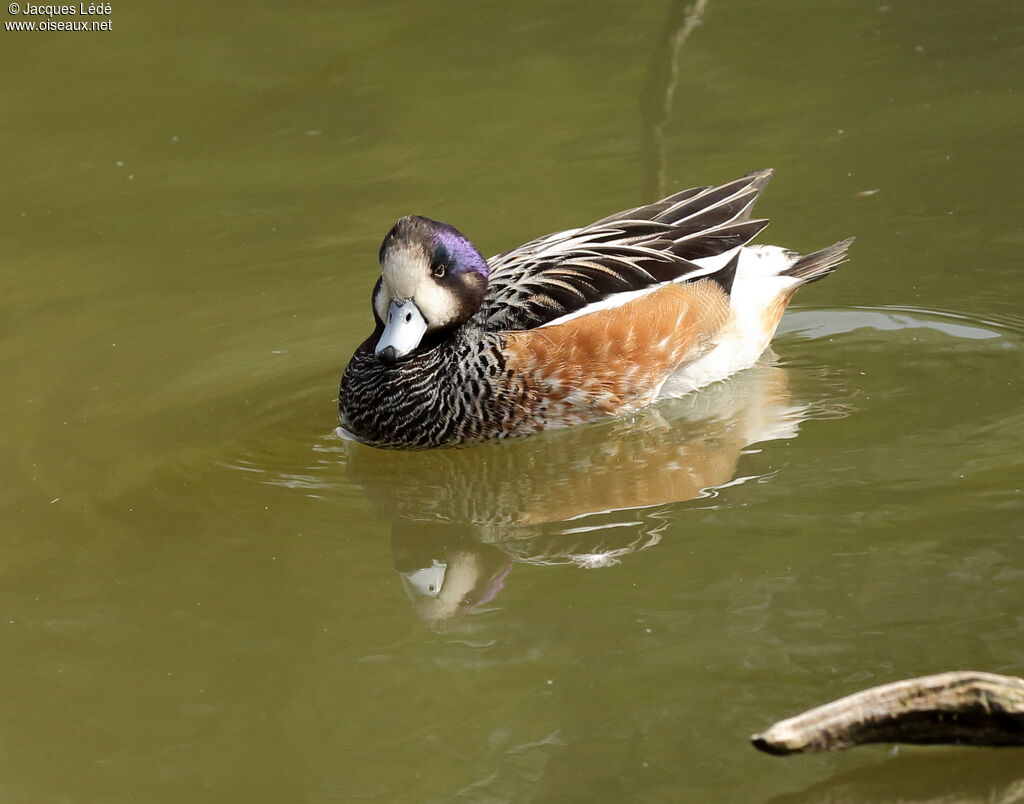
pixel 673 240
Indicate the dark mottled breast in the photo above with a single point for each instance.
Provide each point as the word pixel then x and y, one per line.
pixel 457 392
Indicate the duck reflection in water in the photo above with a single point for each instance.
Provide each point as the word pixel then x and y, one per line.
pixel 585 496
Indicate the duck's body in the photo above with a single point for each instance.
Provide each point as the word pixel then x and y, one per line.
pixel 594 322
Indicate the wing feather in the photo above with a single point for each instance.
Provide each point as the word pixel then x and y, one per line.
pixel 564 272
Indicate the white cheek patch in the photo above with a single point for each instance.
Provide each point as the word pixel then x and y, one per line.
pixel 436 303
pixel 381 301
pixel 406 275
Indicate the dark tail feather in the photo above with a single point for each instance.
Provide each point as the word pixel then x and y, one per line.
pixel 726 275
pixel 820 264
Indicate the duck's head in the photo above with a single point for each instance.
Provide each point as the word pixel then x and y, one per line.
pixel 432 279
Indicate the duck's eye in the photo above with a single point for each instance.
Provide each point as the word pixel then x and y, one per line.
pixel 439 270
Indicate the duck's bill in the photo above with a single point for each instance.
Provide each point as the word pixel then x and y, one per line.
pixel 403 331
pixel 425 582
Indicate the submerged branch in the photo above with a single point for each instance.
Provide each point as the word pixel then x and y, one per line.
pixel 962 708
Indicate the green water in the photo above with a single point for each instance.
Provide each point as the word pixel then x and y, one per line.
pixel 202 588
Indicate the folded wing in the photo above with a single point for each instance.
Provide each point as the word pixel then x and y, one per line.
pixel 687 236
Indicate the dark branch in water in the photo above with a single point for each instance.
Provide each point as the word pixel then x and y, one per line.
pixel 682 18
pixel 960 708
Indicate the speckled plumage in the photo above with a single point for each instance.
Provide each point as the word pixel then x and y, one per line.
pixel 569 328
pixel 456 391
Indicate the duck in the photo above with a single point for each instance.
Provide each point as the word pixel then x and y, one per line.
pixel 584 324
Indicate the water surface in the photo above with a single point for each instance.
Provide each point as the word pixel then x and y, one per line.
pixel 208 596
